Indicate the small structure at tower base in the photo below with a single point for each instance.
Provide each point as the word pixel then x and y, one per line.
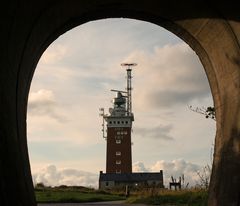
pixel 134 180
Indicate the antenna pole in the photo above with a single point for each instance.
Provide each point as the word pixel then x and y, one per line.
pixel 102 113
pixel 129 85
pixel 129 90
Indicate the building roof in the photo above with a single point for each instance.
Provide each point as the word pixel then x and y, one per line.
pixel 131 177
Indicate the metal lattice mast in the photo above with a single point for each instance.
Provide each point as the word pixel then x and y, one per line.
pixel 129 85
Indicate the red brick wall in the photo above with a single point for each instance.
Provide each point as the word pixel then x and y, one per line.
pixel 124 148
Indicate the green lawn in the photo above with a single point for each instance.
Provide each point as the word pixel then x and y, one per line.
pixel 70 196
pixel 147 196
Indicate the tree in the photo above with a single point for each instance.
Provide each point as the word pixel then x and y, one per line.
pixel 205 173
pixel 204 177
pixel 40 185
pixel 208 112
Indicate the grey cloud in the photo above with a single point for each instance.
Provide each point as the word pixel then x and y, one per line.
pixel 42 103
pixel 40 107
pixel 159 132
pixel 45 108
pixel 179 81
pixel 184 86
pixel 170 98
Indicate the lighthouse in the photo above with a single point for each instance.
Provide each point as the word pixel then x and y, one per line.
pixel 118 125
pixel 119 128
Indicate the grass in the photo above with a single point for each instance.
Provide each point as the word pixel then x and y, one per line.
pixel 64 194
pixel 168 197
pixel 73 195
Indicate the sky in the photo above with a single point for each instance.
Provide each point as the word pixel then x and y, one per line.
pixel 73 80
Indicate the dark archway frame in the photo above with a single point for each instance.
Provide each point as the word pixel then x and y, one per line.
pixel 212 30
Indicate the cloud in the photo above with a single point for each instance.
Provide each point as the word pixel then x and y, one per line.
pixel 139 167
pixel 75 75
pixel 52 176
pixel 54 54
pixel 171 98
pixel 41 97
pixel 158 132
pixel 43 103
pixel 168 76
pixel 175 168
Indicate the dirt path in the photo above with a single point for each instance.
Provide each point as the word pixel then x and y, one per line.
pixel 122 203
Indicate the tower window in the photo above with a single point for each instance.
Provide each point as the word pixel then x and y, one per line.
pixel 114 122
pixel 126 122
pixel 118 141
pixel 118 122
pixel 110 122
pixel 107 183
pixel 118 162
pixel 118 171
pixel 118 153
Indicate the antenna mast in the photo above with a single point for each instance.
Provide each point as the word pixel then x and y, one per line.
pixel 103 121
pixel 129 85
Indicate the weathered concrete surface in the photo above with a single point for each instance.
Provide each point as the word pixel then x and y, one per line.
pixel 27 29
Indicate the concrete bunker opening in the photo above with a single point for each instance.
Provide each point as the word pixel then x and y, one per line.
pixel 85 64
pixel 211 30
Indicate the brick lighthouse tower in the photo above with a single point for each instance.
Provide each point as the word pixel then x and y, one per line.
pixel 119 144
pixel 119 128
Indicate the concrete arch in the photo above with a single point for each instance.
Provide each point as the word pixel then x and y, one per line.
pixel 213 31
